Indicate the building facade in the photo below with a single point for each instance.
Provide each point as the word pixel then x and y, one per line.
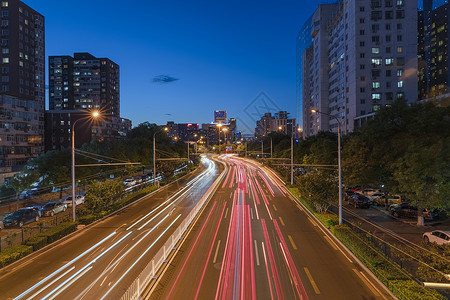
pixel 433 50
pixel 84 82
pixel 363 57
pixel 302 43
pixel 78 85
pixel 22 92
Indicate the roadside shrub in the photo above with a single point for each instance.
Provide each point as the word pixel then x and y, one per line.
pixel 59 231
pixel 37 241
pixel 87 219
pixel 13 254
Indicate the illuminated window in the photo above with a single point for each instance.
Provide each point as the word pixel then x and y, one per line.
pixel 376 61
pixel 376 96
pixel 5 3
pixel 399 49
pixel 376 84
pixel 389 61
pixel 5 60
pixel 375 50
pixel 400 84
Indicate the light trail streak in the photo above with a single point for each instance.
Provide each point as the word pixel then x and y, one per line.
pixel 140 257
pixel 192 249
pixel 64 267
pixel 291 265
pixel 273 265
pixel 210 251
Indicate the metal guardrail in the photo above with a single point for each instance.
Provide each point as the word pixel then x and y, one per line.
pixel 149 272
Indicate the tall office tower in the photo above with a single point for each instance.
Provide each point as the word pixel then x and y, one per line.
pixel 220 116
pixel 84 82
pixel 22 91
pixel 303 42
pixel 433 51
pixel 370 61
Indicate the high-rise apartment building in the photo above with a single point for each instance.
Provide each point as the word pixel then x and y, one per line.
pixel 22 85
pixel 77 85
pixel 433 50
pixel 363 56
pixel 84 82
pixel 303 42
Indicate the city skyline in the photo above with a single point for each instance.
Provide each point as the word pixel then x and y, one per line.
pixel 225 56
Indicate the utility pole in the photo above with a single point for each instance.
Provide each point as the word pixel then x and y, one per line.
pixel 270 147
pixel 245 148
pixel 188 151
pixel 262 149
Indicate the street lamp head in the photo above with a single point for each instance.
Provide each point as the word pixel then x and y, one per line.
pixel 219 125
pixel 280 127
pixel 95 114
pixel 166 129
pixel 314 111
pixel 225 129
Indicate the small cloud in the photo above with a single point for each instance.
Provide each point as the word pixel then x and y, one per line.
pixel 164 79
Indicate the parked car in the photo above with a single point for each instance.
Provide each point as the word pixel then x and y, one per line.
pixel 378 198
pixel 358 200
pixel 395 199
pixel 348 194
pixel 129 182
pixel 369 192
pixel 437 236
pixel 51 208
pixel 21 217
pixel 409 211
pixel 79 199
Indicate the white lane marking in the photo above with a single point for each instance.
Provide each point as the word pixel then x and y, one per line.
pixel 217 251
pixel 367 282
pixel 65 266
pixel 251 212
pixel 176 195
pixel 226 213
pixel 256 253
pixel 55 280
pixel 70 283
pixel 331 242
pixel 312 222
pixel 140 257
pixel 231 195
pixel 64 284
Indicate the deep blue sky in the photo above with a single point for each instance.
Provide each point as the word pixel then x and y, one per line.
pixel 225 53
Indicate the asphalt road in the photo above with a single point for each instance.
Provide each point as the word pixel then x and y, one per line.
pixel 254 242
pixel 102 261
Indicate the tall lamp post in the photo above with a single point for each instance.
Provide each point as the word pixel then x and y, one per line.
pixel 154 154
pixel 94 114
pixel 339 160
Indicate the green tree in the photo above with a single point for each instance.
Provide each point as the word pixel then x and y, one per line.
pixel 101 195
pixel 320 187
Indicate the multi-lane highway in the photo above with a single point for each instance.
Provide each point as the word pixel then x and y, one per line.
pixel 254 242
pixel 102 261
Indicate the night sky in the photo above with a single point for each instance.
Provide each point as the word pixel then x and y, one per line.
pixel 224 53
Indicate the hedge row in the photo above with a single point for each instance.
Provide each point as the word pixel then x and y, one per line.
pixel 13 254
pixel 51 235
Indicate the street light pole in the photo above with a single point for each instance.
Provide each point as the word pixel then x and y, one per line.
pixel 154 154
pixel 154 159
pixel 292 156
pixel 339 161
pixel 95 115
